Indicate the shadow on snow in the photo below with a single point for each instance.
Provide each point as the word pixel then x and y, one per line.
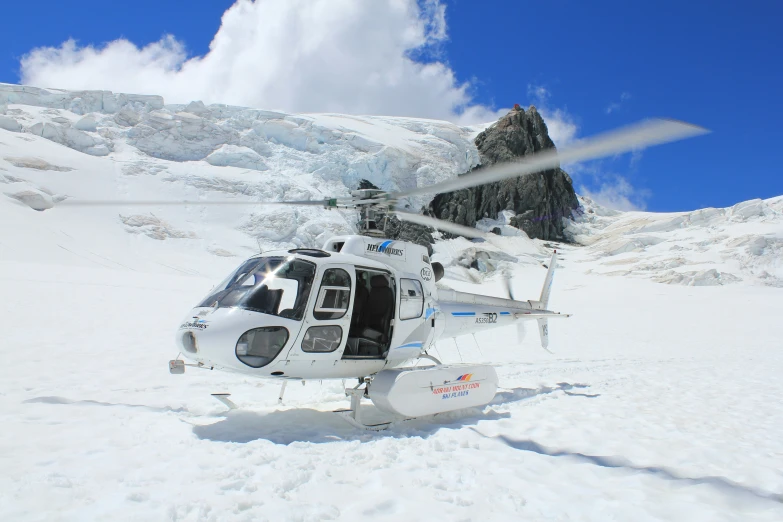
pixel 520 394
pixel 308 425
pixel 63 400
pixel 721 483
pixel 316 426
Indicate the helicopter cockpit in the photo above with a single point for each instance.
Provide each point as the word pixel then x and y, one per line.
pixel 284 310
pixel 277 286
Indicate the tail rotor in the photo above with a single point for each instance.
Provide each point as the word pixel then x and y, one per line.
pixel 508 287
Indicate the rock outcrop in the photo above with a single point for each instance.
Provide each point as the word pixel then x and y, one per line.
pixel 539 201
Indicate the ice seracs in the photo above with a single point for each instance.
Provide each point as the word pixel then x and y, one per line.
pixel 72 138
pixel 87 123
pixel 713 246
pixel 9 124
pixel 235 156
pixel 142 146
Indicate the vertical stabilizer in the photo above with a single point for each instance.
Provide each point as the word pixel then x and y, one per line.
pixel 543 327
pixel 544 300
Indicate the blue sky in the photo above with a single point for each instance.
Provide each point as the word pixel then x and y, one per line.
pixel 595 65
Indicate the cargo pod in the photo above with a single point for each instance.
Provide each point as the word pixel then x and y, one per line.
pixel 415 392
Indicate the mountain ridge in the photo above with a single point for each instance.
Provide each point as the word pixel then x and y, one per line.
pixel 538 201
pixel 301 157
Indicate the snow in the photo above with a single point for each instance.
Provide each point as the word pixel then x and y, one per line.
pixel 87 123
pixel 9 124
pixel 714 246
pixel 234 156
pixel 72 138
pixel 661 400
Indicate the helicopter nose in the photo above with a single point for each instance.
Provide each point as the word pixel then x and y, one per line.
pixel 188 342
pixel 209 342
pixel 232 339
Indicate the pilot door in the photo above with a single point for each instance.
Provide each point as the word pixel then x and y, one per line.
pixel 352 316
pixel 327 324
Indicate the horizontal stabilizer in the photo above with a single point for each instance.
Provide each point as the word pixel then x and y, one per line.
pixel 538 314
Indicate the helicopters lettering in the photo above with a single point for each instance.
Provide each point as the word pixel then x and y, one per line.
pixel 364 306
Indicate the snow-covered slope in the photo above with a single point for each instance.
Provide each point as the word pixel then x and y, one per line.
pixel 113 146
pixel 660 402
pixel 96 144
pixel 712 246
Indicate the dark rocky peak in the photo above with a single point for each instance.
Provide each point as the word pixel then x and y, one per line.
pixel 539 201
pixel 512 136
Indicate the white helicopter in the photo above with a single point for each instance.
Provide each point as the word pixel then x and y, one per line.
pixel 367 308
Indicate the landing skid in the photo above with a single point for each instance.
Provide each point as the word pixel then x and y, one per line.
pixel 224 398
pixel 349 417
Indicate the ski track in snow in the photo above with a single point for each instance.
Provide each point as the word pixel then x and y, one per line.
pixel 661 401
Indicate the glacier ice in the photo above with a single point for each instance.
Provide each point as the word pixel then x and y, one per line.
pixel 9 124
pixel 236 156
pixel 87 123
pixel 139 147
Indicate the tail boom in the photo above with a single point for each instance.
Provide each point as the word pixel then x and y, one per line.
pixel 466 313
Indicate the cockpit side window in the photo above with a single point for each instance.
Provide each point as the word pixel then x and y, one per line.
pixel 334 295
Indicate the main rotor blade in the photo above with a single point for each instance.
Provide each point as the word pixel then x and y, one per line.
pixel 142 202
pixel 439 224
pixel 625 139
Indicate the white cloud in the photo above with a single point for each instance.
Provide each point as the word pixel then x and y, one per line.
pixel 592 178
pixel 561 125
pixel 562 128
pixel 624 96
pixel 636 157
pixel 349 56
pixel 618 194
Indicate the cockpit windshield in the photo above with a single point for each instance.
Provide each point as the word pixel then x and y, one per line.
pixel 270 285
